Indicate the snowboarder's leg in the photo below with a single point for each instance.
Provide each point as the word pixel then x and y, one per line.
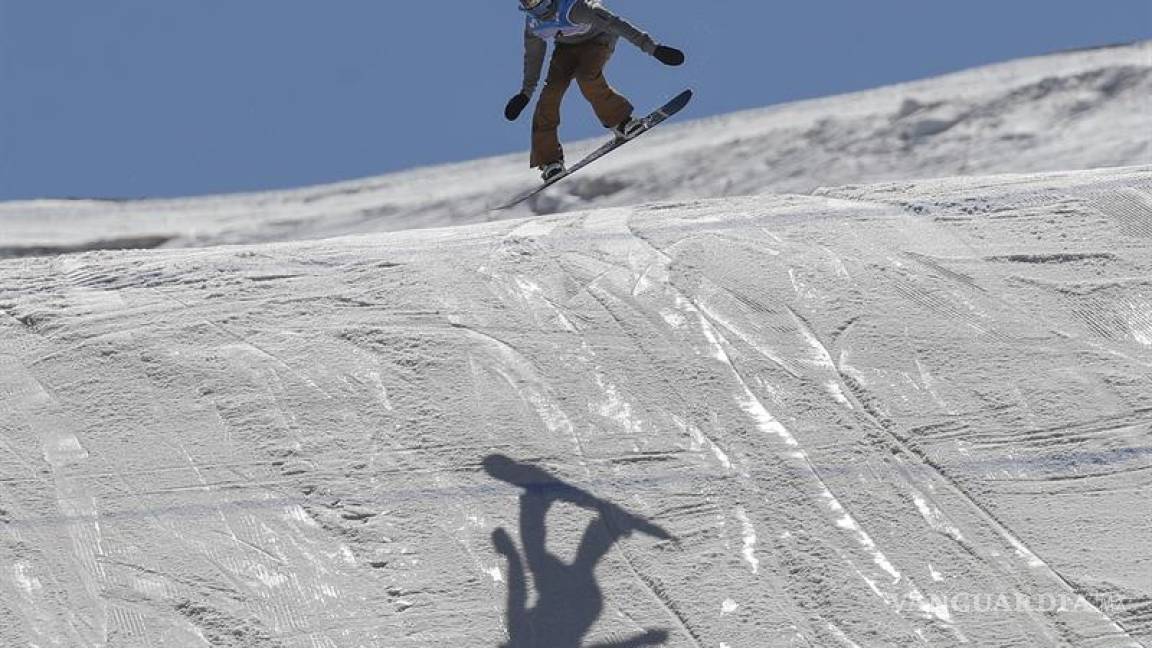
pixel 597 541
pixel 546 147
pixel 611 108
pixel 517 613
pixel 534 505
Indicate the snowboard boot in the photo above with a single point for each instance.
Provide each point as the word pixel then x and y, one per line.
pixel 550 171
pixel 628 128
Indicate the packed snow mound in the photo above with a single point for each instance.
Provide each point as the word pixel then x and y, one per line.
pixel 1076 110
pixel 916 413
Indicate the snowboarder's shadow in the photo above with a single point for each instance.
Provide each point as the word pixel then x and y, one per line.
pixel 568 598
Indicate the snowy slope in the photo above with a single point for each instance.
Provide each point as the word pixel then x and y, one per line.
pixel 916 413
pixel 1067 111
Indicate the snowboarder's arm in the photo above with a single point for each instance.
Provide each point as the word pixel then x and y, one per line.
pixel 535 49
pixel 593 13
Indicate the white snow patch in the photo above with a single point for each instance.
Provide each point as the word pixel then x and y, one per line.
pixel 495 573
pixel 347 555
pixel 96 301
pixel 297 513
pixel 841 269
pixel 749 540
pixel 21 576
pixel 820 356
pixel 764 420
pixel 848 370
pixel 846 521
pixel 935 608
pixel 837 392
pixel 674 319
pixel 874 587
pixel 728 607
pixel 153 587
pixel 1024 552
pixel 381 390
pixel 553 417
pixel 700 441
pixel 721 456
pixel 929 382
pixel 528 287
pixel 63 449
pixel 567 323
pixel 1141 325
pixel 616 408
pixel 267 577
pixel 841 636
pixel 936 576
pixel 534 294
pixel 713 336
pixel 750 340
pixel 1142 338
pixel 642 284
pixel 935 517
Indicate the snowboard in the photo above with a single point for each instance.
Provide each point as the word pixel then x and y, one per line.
pixel 651 121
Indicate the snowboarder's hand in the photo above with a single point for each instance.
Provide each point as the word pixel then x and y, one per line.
pixel 668 55
pixel 515 106
pixel 503 542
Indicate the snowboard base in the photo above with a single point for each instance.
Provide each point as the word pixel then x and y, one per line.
pixel 651 121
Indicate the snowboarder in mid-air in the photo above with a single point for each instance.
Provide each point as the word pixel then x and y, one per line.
pixel 585 34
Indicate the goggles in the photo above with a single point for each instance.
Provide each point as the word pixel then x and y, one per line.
pixel 538 8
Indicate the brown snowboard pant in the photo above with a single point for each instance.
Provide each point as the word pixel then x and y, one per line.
pixel 583 62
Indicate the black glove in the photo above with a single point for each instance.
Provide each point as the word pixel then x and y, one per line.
pixel 515 106
pixel 668 55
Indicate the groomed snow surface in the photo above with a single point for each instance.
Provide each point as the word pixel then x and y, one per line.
pixel 860 414
pixel 910 413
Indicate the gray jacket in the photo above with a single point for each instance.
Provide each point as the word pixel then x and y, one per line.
pixel 606 26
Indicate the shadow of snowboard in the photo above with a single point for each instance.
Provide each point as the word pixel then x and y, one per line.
pixel 568 598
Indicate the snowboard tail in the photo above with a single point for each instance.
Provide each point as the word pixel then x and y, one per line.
pixel 651 121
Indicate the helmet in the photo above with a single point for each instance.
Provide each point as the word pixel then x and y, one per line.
pixel 538 8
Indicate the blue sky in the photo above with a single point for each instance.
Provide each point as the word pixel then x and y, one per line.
pixel 128 98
